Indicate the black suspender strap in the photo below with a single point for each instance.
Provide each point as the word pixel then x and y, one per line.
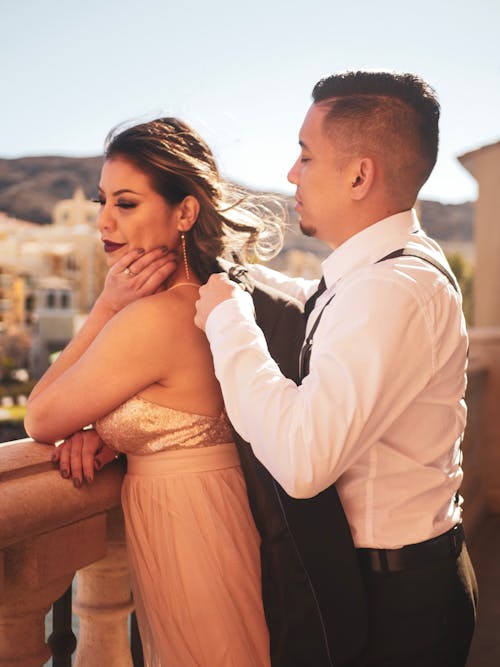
pixel 405 252
pixel 305 353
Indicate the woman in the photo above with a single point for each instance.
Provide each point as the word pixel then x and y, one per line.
pixel 143 375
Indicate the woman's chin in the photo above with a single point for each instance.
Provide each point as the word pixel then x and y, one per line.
pixel 113 257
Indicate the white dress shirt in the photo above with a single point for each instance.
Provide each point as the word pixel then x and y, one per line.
pixel 381 412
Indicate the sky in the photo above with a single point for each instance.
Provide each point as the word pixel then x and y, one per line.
pixel 240 73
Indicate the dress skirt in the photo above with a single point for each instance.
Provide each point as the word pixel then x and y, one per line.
pixel 194 558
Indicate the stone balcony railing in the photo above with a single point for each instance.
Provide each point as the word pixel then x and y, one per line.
pixel 49 530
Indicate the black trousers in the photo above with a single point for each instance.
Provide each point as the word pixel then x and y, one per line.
pixel 423 617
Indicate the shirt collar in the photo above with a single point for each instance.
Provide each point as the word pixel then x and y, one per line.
pixel 370 245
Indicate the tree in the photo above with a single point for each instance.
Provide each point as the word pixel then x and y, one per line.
pixel 14 350
pixel 464 272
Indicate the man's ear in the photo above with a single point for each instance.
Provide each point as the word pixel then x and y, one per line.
pixel 188 211
pixel 362 178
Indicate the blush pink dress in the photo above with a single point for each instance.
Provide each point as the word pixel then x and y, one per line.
pixel 192 543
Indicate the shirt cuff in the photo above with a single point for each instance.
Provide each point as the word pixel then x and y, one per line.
pixel 229 312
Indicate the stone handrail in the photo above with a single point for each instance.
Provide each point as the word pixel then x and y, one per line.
pixel 49 530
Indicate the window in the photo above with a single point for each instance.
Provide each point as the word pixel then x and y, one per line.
pixel 29 302
pixel 51 299
pixel 65 300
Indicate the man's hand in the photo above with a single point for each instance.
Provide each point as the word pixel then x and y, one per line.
pixel 219 288
pixel 80 455
pixel 137 274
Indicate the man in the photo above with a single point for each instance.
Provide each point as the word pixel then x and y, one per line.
pixel 380 410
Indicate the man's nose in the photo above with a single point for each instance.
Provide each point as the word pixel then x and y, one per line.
pixel 292 174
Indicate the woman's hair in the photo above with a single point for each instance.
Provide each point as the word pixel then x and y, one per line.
pixel 231 222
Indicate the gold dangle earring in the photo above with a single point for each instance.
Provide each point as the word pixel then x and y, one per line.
pixel 184 255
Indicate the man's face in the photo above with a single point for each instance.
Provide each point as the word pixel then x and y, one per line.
pixel 323 183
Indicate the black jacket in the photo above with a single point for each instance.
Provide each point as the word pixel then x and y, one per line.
pixel 311 582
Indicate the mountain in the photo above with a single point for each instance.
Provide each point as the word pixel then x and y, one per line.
pixel 30 187
pixel 448 222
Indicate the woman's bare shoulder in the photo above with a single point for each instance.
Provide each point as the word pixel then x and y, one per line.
pixel 162 313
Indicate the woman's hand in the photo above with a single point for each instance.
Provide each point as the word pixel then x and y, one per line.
pixel 80 455
pixel 137 274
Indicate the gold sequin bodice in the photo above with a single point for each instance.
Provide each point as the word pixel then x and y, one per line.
pixel 139 426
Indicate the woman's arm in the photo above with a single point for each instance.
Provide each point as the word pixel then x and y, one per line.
pixel 124 357
pixel 151 270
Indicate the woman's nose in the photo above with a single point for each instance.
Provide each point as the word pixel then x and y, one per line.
pixel 105 219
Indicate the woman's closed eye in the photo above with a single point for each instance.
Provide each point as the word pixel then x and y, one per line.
pixel 121 203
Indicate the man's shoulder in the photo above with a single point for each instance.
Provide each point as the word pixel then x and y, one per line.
pixel 400 281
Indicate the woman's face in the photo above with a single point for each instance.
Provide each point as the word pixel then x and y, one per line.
pixel 132 214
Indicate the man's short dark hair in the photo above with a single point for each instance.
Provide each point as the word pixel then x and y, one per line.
pixel 395 116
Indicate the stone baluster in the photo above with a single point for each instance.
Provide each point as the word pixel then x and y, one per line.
pixel 103 603
pixel 48 531
pixel 22 623
pixel 37 571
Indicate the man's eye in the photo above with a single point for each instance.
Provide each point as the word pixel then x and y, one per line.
pixel 304 159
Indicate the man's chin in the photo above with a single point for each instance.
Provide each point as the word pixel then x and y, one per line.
pixel 306 230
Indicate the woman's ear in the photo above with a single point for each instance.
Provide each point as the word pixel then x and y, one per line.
pixel 362 178
pixel 188 211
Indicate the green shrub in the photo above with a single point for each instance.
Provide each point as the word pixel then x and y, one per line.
pixel 464 272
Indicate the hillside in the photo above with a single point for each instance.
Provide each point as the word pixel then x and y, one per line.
pixel 30 186
pixel 448 222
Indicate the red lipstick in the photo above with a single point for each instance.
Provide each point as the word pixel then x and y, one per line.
pixel 110 246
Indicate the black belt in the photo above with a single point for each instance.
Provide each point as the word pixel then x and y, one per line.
pixel 414 555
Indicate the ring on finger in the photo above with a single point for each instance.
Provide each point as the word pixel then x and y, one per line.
pixel 128 272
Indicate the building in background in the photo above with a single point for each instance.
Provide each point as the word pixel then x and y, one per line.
pixel 50 274
pixel 53 322
pixel 484 165
pixel 12 298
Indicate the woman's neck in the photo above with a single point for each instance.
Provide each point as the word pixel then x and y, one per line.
pixel 180 276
